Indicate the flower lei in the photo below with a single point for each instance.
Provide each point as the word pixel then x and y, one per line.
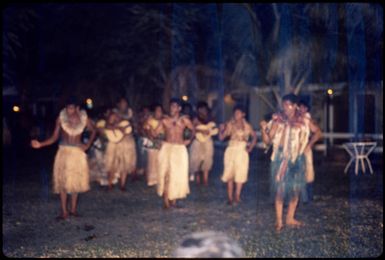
pixel 68 127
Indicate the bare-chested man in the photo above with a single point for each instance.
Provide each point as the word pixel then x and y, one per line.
pixel 289 135
pixel 173 180
pixel 71 173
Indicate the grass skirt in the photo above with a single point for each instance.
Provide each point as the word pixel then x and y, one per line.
pixel 293 181
pixel 201 156
pixel 173 171
pixel 236 162
pixel 70 170
pixel 98 171
pixel 152 166
pixel 121 157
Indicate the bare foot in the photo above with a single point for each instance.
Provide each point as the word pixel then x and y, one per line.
pixel 62 217
pixel 75 214
pixel 294 223
pixel 278 227
pixel 166 205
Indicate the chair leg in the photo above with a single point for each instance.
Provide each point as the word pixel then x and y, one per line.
pixel 370 165
pixel 362 164
pixel 347 166
pixel 356 169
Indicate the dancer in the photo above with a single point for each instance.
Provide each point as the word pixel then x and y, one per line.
pixel 98 171
pixel 236 159
pixel 202 147
pixel 70 170
pixel 120 153
pixel 173 180
pixel 289 135
pixel 123 110
pixel 153 143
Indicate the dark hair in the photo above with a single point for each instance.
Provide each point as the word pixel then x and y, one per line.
pixel 304 103
pixel 122 98
pixel 202 104
pixel 72 100
pixel 239 107
pixel 175 100
pixel 154 106
pixel 290 97
pixel 268 117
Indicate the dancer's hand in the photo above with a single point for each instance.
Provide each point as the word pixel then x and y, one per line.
pixel 35 144
pixel 249 148
pixel 263 124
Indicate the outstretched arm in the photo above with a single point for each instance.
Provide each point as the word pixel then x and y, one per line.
pixel 55 136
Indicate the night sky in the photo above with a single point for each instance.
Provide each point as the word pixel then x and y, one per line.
pixel 51 48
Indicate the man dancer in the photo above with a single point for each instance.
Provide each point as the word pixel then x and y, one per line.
pixel 70 171
pixel 173 180
pixel 289 135
pixel 202 148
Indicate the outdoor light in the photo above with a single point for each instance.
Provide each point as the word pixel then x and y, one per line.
pixel 184 98
pixel 16 109
pixel 330 91
pixel 89 103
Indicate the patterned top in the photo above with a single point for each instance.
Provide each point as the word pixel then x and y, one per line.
pixel 296 136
